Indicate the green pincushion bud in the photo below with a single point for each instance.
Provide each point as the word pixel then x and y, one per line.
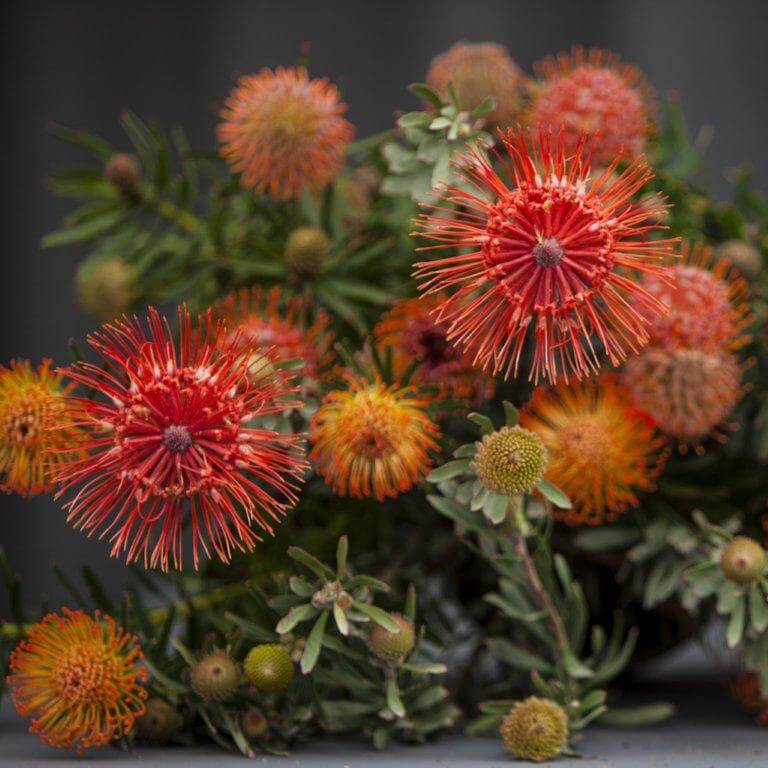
pixel 159 724
pixel 215 677
pixel 510 461
pixel 253 723
pixel 269 668
pixel 305 251
pixel 392 646
pixel 743 560
pixel 535 729
pixel 105 288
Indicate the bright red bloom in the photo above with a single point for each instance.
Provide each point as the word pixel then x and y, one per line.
pixel 593 93
pixel 552 252
pixel 176 437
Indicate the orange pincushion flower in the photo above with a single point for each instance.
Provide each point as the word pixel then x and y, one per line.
pixel 477 71
pixel 77 677
pixel 593 93
pixel 372 439
pixel 551 253
pixel 175 435
pixel 707 300
pixel 746 689
pixel 412 332
pixel 601 451
pixel 33 433
pixel 284 132
pixel 270 323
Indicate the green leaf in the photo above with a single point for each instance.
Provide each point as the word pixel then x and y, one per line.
pixel 295 616
pixel 341 619
pixel 97 592
pixel 425 92
pixel 553 494
pixel 342 548
pixel 448 470
pixel 301 587
pixel 382 618
pixel 486 105
pixel 758 609
pixel 312 563
pixel 83 139
pixel 433 668
pixel 606 538
pixel 510 412
pixel 394 702
pixel 485 424
pixel 250 629
pixel 314 644
pixel 359 581
pixel 184 652
pixel 517 657
pixel 410 604
pixel 735 629
pixel 634 717
pixel 88 230
pixel 495 507
pixel 576 668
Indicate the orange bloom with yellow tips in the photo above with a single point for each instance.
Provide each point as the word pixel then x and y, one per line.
pixel 372 439
pixel 33 435
pixel 601 451
pixel 413 333
pixel 284 132
pixel 279 326
pixel 77 677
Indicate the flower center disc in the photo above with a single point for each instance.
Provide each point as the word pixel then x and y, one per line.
pixel 548 252
pixel 176 438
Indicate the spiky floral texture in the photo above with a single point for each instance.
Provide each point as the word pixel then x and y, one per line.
pixel 688 393
pixel 535 729
pixel 707 300
pixel 280 326
pixel 602 452
pixel 510 461
pixel 173 438
pixel 215 676
pixel 269 667
pixel 77 677
pixel 33 427
pixel 372 439
pixel 593 93
pixel 392 647
pixel 284 133
pixel 477 71
pixel 551 253
pixel 412 332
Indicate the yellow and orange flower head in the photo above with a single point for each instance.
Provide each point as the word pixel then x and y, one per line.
pixel 372 439
pixel 593 93
pixel 707 300
pixel 282 327
pixel 34 438
pixel 601 451
pixel 412 331
pixel 77 678
pixel 284 132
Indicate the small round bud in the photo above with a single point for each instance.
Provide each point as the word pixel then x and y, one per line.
pixel 743 255
pixel 159 724
pixel 105 288
pixel 253 723
pixel 268 668
pixel 743 560
pixel 123 172
pixel 535 729
pixel 215 677
pixel 305 251
pixel 510 461
pixel 392 646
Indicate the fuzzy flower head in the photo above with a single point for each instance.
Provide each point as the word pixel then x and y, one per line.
pixel 707 300
pixel 535 729
pixel 688 393
pixel 284 133
pixel 77 678
pixel 172 437
pixel 33 427
pixel 601 451
pixel 592 93
pixel 278 326
pixel 551 254
pixel 372 439
pixel 510 461
pixel 477 71
pixel 413 333
pixel 105 288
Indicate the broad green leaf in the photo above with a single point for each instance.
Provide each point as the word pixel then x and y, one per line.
pixel 295 616
pixel 553 494
pixel 448 470
pixel 382 618
pixel 314 644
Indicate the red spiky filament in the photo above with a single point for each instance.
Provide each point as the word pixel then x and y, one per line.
pixel 173 438
pixel 550 252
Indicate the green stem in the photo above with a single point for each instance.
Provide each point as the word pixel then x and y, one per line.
pixel 172 212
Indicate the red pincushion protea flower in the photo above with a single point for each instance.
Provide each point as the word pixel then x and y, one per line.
pixel 413 334
pixel 593 93
pixel 267 321
pixel 552 252
pixel 284 132
pixel 175 439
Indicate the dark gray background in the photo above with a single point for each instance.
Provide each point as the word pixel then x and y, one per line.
pixel 80 63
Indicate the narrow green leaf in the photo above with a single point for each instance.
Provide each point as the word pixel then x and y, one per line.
pixel 312 563
pixel 448 470
pixel 341 558
pixel 634 717
pixel 394 702
pixel 485 424
pixel 341 619
pixel 511 414
pixel 553 494
pixel 295 616
pixel 314 644
pixel 382 618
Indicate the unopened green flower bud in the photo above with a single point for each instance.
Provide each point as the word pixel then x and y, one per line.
pixel 510 461
pixel 159 724
pixel 535 729
pixel 105 287
pixel 392 646
pixel 743 560
pixel 269 668
pixel 305 251
pixel 253 723
pixel 215 677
